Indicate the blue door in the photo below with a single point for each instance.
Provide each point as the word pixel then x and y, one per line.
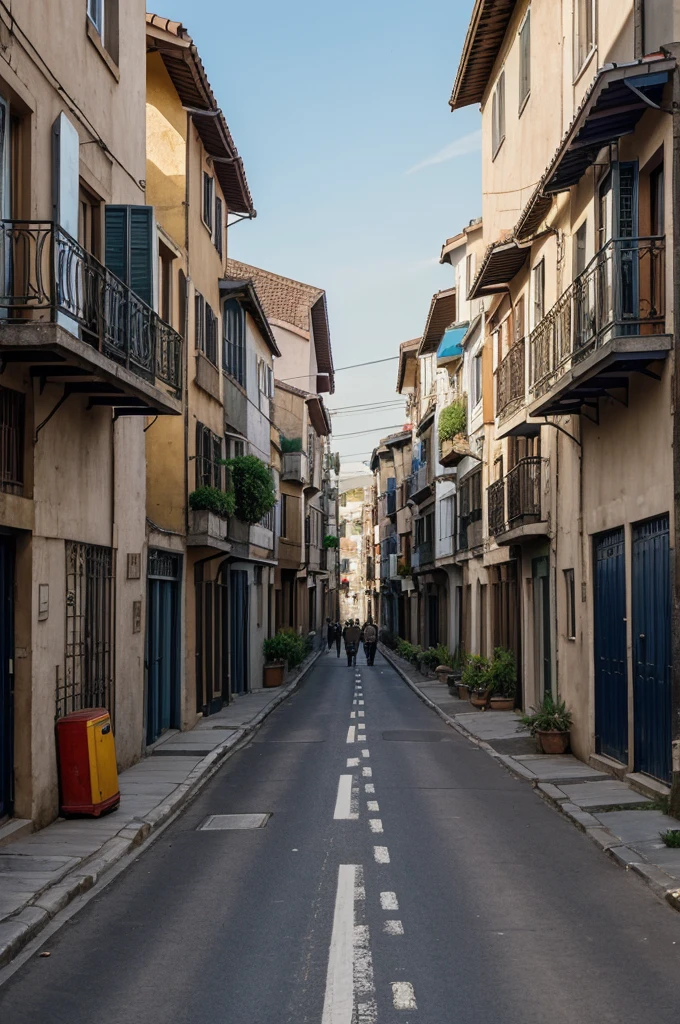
pixel 652 648
pixel 239 629
pixel 162 644
pixel 611 689
pixel 6 673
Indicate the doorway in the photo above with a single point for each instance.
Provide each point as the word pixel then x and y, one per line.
pixel 6 675
pixel 540 574
pixel 611 690
pixel 239 621
pixel 162 643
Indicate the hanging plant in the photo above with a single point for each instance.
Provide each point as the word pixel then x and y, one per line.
pixel 330 542
pixel 253 486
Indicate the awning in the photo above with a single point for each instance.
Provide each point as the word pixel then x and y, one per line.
pixel 318 414
pixel 406 372
pixel 612 107
pixel 451 345
pixel 441 315
pixel 501 262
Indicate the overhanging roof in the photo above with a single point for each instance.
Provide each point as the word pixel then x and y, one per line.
pixel 611 108
pixel 441 315
pixel 318 414
pixel 181 59
pixel 500 264
pixel 451 345
pixel 488 24
pixel 406 373
pixel 247 295
pixel 394 440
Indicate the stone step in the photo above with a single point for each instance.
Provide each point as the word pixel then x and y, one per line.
pixel 15 828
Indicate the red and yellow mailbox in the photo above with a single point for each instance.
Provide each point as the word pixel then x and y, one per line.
pixel 88 776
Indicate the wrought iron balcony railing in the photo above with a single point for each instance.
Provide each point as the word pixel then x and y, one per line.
pixel 524 491
pixel 495 500
pixel 45 275
pixel 510 382
pixel 622 292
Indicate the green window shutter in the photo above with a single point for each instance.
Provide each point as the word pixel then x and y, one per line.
pixel 129 247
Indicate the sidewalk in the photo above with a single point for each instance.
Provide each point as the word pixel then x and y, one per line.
pixel 42 873
pixel 620 820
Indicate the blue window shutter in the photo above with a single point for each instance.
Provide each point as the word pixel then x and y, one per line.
pixel 129 247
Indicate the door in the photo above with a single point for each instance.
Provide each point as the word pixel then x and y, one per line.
pixel 432 620
pixel 540 571
pixel 239 630
pixel 6 674
pixel 611 690
pixel 652 649
pixel 162 644
pixel 212 675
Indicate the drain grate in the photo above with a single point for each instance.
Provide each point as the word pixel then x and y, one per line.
pixel 232 822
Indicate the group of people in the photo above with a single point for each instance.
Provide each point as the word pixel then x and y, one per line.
pixel 353 634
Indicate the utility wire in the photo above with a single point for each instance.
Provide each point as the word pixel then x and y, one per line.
pixel 371 430
pixel 339 369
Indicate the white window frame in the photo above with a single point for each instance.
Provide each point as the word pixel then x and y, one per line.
pixel 474 383
pixel 581 58
pixel 538 271
pixel 498 116
pixel 524 61
pixel 95 13
pixel 208 179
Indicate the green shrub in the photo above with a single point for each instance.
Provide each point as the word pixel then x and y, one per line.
pixel 549 715
pixel 285 646
pixel 410 652
pixel 503 673
pixel 253 488
pixel 453 420
pixel 404 571
pixel 671 837
pixel 476 672
pixel 433 657
pixel 291 444
pixel 330 541
pixel 212 499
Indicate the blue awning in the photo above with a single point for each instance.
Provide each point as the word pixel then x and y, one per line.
pixel 451 344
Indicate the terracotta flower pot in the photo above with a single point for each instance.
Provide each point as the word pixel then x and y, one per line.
pixel 479 699
pixel 502 703
pixel 551 741
pixel 273 673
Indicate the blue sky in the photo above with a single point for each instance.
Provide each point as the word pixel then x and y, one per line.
pixel 357 166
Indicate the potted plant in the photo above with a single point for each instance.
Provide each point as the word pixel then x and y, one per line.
pixel 550 723
pixel 503 679
pixel 475 678
pixel 281 652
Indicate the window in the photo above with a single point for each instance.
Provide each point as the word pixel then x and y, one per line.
pixel 656 195
pixel 584 32
pixel 446 517
pixel 424 451
pixel 12 412
pixel 129 247
pixel 208 200
pixel 525 61
pixel 209 468
pixel 199 322
pixel 233 340
pixel 498 116
pixel 476 381
pixel 95 12
pixel 89 222
pixel 218 226
pixel 205 329
pixel 89 657
pixel 265 381
pixel 103 16
pixel 469 271
pixel 538 276
pixel 518 333
pixel 284 515
pixel 571 603
pixel 165 258
pixel 580 249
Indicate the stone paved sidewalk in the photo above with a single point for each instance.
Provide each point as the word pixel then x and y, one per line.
pixel 40 874
pixel 623 822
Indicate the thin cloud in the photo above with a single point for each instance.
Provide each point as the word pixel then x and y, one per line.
pixel 461 147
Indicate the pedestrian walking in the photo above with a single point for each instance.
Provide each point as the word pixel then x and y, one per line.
pixel 338 637
pixel 330 632
pixel 370 641
pixel 352 635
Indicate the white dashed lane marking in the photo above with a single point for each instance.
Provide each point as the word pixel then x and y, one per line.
pixel 381 854
pixel 343 802
pixel 372 805
pixel 352 714
pixel 352 762
pixel 375 824
pixel 403 996
pixel 350 734
pixel 364 753
pixel 389 901
pixel 367 772
pixel 368 787
pixel 339 999
pixel 393 928
pixel 361 714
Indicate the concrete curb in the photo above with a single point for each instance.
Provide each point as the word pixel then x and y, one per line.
pixel 25 924
pixel 664 886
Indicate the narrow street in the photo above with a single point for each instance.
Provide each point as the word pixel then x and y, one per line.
pixel 472 901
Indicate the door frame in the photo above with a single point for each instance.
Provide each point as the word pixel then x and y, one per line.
pixel 7 577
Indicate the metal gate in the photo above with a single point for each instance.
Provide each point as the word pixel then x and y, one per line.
pixel 162 643
pixel 6 674
pixel 611 690
pixel 652 648
pixel 239 623
pixel 90 635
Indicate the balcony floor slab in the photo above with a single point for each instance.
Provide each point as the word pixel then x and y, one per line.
pixel 525 532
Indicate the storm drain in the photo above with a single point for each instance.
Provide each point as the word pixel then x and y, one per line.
pixel 231 822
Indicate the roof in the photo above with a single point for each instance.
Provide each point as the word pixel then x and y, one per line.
pixel 488 24
pixel 451 345
pixel 291 390
pixel 403 437
pixel 456 241
pixel 247 295
pixel 611 108
pixel 185 68
pixel 501 262
pixel 301 305
pixel 441 315
pixel 408 351
pixel 318 414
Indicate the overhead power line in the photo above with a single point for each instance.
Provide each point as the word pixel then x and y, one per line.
pixel 339 369
pixel 371 430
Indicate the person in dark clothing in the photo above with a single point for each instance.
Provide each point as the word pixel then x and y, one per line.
pixel 330 632
pixel 352 635
pixel 338 637
pixel 370 637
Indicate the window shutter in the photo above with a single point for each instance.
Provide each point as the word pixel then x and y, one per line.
pixel 129 247
pixel 199 322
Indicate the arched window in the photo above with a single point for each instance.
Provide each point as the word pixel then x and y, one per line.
pixel 234 341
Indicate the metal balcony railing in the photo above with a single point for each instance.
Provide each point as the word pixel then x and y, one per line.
pixel 45 275
pixel 495 500
pixel 622 292
pixel 524 491
pixel 417 480
pixel 425 553
pixel 510 381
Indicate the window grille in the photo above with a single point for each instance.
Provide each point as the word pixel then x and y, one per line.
pixel 12 412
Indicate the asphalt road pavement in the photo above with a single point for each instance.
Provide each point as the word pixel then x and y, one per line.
pixel 401 877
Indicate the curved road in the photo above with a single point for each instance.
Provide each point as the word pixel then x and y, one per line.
pixel 403 876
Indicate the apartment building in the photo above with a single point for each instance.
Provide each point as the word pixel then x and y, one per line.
pixel 578 281
pixel 85 360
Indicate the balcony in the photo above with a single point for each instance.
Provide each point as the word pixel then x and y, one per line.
pixel 422 555
pixel 80 326
pixel 206 530
pixel 608 324
pixel 514 507
pixel 510 381
pixel 295 467
pixel 418 483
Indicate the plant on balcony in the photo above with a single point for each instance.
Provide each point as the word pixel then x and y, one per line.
pixel 550 723
pixel 503 679
pixel 213 499
pixel 404 570
pixel 453 420
pixel 290 444
pixel 330 541
pixel 253 485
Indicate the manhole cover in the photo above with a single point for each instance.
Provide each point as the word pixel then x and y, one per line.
pixel 414 736
pixel 222 822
